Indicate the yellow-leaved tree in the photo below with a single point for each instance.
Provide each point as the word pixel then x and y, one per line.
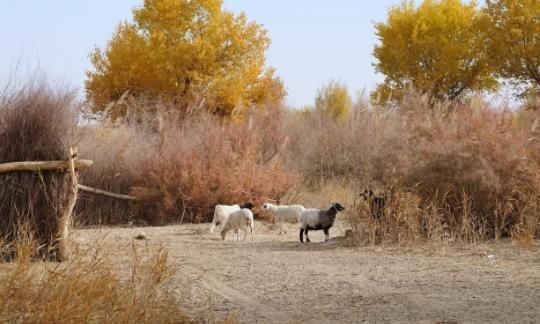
pixel 184 51
pixel 333 99
pixel 514 36
pixel 437 47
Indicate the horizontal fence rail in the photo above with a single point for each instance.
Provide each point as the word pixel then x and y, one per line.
pixel 43 165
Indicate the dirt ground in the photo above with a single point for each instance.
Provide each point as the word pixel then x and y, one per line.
pixel 276 279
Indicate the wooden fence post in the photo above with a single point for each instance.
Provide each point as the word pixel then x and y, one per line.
pixel 66 219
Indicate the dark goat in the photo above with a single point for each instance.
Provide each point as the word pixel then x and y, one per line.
pixel 318 219
pixel 376 204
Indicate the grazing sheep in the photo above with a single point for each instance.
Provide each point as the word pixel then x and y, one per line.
pixel 284 213
pixel 239 219
pixel 318 219
pixel 221 212
pixel 376 204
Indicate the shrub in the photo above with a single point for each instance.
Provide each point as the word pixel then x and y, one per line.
pixel 37 123
pixel 119 152
pixel 472 155
pixel 179 167
pixel 356 148
pixel 203 162
pixel 464 171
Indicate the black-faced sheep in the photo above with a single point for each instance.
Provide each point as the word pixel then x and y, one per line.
pixel 284 213
pixel 376 204
pixel 318 219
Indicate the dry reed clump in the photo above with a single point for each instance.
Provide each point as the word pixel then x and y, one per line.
pixel 473 165
pixel 203 161
pixel 88 288
pixel 37 123
pixel 357 148
pixel 119 152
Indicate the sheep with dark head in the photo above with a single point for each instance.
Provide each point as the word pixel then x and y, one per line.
pixel 239 219
pixel 318 219
pixel 222 212
pixel 376 204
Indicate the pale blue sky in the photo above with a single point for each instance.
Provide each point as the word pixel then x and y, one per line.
pixel 313 41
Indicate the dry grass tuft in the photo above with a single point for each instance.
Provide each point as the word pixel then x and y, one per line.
pixel 89 288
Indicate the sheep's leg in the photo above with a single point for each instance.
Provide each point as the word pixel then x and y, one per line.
pixel 307 237
pixel 326 234
pixel 301 235
pixel 223 233
pixel 213 226
pixel 251 229
pixel 245 233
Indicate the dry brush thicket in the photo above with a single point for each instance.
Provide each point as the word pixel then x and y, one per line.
pixel 180 167
pixel 459 171
pixel 448 171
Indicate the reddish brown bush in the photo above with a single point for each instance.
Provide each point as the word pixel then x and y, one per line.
pixel 203 162
pixel 180 167
pixel 472 154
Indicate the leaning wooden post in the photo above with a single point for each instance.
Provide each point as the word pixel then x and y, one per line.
pixel 66 218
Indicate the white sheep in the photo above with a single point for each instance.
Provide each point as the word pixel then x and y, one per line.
pixel 222 212
pixel 318 219
pixel 284 213
pixel 239 219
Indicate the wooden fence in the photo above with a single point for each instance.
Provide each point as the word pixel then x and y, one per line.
pixel 71 165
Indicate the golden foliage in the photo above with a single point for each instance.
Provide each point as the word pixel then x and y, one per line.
pixel 437 47
pixel 333 99
pixel 185 50
pixel 514 35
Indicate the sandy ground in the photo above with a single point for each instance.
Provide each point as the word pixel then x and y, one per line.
pixel 275 279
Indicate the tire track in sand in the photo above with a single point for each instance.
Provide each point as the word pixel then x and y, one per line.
pixel 249 303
